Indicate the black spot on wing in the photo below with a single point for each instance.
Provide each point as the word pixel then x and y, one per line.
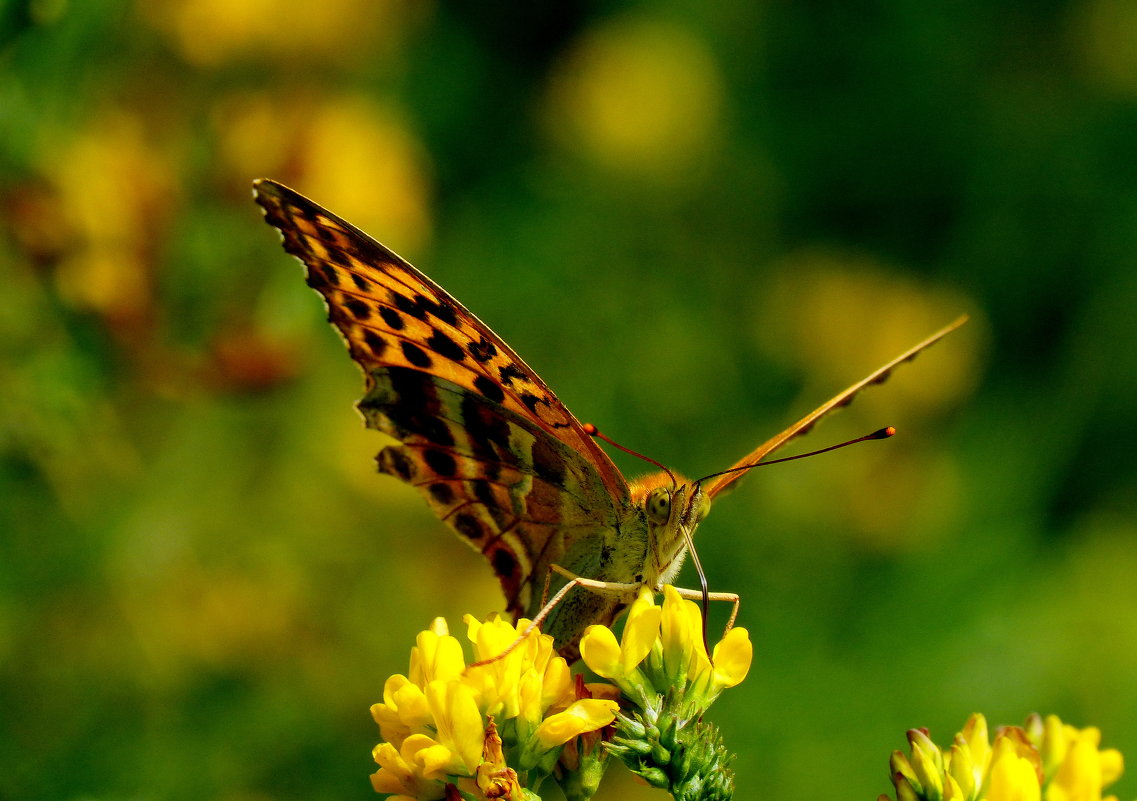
pixel 510 373
pixel 468 526
pixel 504 563
pixel 482 351
pixel 329 273
pixel 416 355
pixel 442 310
pixel 446 347
pixel 359 310
pixel 411 406
pixel 394 462
pixel 361 283
pixel 374 342
pixel 420 307
pixel 392 318
pixel 491 389
pixel 488 432
pixel 531 401
pixel 441 463
pixel 483 491
pixel 323 227
pixel 408 306
pixel 442 492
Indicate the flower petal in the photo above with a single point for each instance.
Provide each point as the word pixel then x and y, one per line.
pixel 1012 777
pixel 733 655
pixel 556 683
pixel 640 631
pixel 460 725
pixel 675 635
pixel 587 714
pixel 601 652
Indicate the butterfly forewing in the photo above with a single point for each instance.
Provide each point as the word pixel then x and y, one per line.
pixel 391 314
pixel 496 455
pixel 805 424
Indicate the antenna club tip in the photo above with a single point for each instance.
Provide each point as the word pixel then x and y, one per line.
pixel 590 429
pixel 883 433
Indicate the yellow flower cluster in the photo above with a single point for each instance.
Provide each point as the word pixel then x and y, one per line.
pixel 662 650
pixel 440 723
pixel 1045 760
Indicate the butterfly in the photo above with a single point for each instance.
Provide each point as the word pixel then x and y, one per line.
pixel 488 445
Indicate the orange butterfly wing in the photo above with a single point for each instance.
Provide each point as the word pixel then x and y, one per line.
pixel 492 450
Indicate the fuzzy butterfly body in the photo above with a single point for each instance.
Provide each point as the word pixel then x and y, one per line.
pixel 491 449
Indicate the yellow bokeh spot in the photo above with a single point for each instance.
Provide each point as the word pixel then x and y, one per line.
pixel 1106 31
pixel 209 33
pixel 115 190
pixel 849 313
pixel 363 163
pixel 357 158
pixel 638 95
pixel 834 316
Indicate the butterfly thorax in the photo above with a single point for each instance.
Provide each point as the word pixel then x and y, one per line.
pixel 673 507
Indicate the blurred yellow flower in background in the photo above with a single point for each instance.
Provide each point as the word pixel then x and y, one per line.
pixel 208 33
pixel 356 155
pixel 1045 760
pixel 1106 33
pixel 115 190
pixel 638 95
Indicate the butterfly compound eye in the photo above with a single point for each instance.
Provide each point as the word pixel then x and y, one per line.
pixel 658 506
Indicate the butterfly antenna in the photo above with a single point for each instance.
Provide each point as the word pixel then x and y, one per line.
pixel 593 431
pixel 883 433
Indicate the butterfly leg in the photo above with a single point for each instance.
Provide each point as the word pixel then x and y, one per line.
pixel 548 606
pixel 592 584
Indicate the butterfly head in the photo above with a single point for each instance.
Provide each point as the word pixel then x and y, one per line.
pixel 673 509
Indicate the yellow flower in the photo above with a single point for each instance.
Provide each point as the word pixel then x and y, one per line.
pixel 436 655
pixel 405 771
pixel 441 721
pixel 732 657
pixel 459 724
pixel 1077 768
pixel 497 683
pixel 662 652
pixel 1044 760
pixel 585 715
pixel 681 633
pixel 1015 773
pixel 620 661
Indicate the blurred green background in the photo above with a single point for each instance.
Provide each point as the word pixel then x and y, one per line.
pixel 696 222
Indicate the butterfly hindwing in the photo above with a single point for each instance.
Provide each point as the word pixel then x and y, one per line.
pixel 500 482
